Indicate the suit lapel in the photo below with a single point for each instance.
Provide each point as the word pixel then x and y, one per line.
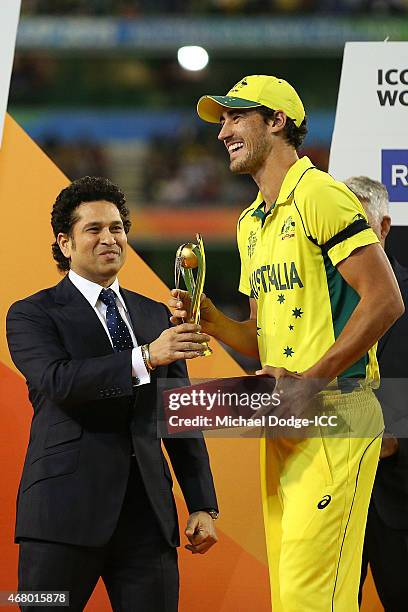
pixel 144 323
pixel 78 315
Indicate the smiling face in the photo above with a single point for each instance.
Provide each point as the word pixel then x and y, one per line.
pixel 248 139
pixel 97 246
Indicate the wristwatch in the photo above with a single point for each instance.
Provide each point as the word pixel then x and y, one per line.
pixel 212 512
pixel 146 357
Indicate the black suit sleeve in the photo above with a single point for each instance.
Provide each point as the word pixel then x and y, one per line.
pixel 38 352
pixel 189 458
pixel 191 465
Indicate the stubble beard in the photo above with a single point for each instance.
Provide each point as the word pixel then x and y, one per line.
pixel 252 161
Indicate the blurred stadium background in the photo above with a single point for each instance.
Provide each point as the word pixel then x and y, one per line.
pixel 98 85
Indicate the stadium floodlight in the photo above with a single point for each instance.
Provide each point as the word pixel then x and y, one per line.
pixel 192 57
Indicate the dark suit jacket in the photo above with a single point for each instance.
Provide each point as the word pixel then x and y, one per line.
pixel 88 420
pixel 390 493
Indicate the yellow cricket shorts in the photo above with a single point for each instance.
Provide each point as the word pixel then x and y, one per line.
pixel 316 491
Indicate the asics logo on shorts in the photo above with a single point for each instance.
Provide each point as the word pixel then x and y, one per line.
pixel 325 501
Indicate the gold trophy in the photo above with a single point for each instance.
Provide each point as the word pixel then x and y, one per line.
pixel 189 257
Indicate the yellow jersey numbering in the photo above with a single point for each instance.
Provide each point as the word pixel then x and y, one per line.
pixel 288 264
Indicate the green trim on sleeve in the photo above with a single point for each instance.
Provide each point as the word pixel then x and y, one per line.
pixel 343 301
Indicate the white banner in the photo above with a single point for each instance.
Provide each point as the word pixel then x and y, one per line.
pixel 9 14
pixel 371 129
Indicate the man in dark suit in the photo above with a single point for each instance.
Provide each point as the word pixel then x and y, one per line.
pixel 386 539
pixel 95 497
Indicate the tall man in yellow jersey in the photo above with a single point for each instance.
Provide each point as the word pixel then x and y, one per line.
pixel 321 294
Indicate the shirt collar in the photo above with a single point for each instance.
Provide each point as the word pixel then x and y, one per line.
pixel 91 290
pixel 292 178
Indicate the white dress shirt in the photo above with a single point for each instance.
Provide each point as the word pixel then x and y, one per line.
pixel 91 292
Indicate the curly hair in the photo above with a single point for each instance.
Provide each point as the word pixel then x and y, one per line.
pixel 293 135
pixel 85 189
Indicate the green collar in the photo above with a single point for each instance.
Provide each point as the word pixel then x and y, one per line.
pixel 260 213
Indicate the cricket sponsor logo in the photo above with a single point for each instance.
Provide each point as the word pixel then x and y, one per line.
pixel 325 501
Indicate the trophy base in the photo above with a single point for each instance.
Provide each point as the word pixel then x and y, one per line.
pixel 207 351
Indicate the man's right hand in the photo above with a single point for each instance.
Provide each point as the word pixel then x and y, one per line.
pixel 389 446
pixel 181 342
pixel 180 302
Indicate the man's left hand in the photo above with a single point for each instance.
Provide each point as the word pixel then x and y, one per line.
pixel 295 392
pixel 201 533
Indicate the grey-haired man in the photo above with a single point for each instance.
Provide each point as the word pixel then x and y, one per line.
pixel 386 539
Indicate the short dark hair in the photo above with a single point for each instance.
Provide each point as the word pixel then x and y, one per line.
pixel 85 189
pixel 293 135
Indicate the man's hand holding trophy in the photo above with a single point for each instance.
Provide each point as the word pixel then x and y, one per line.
pixel 191 302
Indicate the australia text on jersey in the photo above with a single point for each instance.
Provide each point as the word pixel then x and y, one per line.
pixel 281 276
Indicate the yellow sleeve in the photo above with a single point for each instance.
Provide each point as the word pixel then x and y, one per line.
pixel 244 286
pixel 336 220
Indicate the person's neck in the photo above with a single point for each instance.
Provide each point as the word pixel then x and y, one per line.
pixel 270 176
pixel 106 283
pixel 103 282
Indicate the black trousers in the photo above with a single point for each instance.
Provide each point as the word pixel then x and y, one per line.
pixel 386 550
pixel 138 567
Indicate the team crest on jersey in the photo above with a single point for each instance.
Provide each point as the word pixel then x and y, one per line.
pixel 252 239
pixel 288 229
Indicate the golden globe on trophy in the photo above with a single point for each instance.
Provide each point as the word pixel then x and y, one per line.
pixel 191 257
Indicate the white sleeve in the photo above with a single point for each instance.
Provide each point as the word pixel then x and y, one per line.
pixel 139 369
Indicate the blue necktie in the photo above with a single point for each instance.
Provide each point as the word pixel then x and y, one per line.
pixel 118 330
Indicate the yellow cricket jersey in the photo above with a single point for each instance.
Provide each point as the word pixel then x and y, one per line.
pixel 288 264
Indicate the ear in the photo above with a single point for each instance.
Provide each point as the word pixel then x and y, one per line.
pixel 65 244
pixel 278 122
pixel 385 226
